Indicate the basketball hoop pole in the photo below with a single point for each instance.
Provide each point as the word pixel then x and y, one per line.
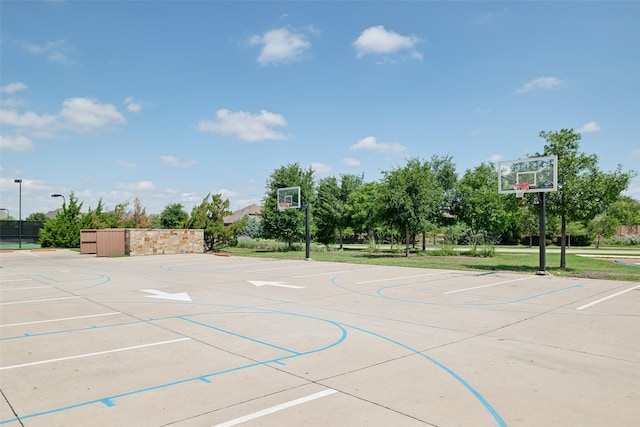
pixel 307 232
pixel 542 239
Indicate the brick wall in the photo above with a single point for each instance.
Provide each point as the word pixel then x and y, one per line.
pixel 159 242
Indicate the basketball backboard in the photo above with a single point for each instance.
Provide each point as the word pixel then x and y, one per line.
pixel 288 197
pixel 529 175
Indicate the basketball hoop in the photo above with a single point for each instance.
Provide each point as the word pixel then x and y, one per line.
pixel 283 205
pixel 520 188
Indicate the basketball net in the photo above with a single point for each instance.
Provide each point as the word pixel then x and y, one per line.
pixel 520 188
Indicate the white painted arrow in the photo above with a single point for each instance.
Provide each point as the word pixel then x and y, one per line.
pixel 279 284
pixel 181 296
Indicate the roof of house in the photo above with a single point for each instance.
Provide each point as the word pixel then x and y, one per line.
pixel 251 210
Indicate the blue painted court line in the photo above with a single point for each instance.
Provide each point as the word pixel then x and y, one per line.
pixel 109 401
pixel 46 278
pixel 367 294
pixel 494 414
pixel 67 331
pixel 380 292
pixel 244 337
pixel 105 279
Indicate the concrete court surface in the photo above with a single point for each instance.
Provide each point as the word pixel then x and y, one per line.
pixel 203 340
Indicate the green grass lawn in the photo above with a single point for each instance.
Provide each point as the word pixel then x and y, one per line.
pixel 502 261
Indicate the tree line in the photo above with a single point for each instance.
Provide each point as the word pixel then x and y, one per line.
pixel 421 198
pixel 427 197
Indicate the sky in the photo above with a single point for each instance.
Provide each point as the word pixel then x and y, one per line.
pixel 167 101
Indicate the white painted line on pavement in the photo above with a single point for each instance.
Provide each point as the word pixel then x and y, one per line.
pixel 490 284
pixel 36 300
pixel 79 356
pixel 402 278
pixel 276 268
pixel 606 298
pixel 60 320
pixel 324 273
pixel 23 289
pixel 277 408
pixel 354 270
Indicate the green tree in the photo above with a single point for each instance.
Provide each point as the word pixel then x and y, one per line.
pixel 100 218
pixel 529 223
pixel 173 216
pixel 583 190
pixel 330 212
pixel 446 176
pixel 364 209
pixel 63 231
pixel 37 216
pixel 479 205
pixel 626 211
pixel 411 198
pixel 252 227
pixel 209 216
pixel 603 226
pixel 290 223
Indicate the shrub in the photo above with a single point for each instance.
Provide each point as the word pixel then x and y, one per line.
pixel 623 241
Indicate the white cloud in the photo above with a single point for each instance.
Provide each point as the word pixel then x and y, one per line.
pixel 370 143
pixel 84 115
pixel 136 186
pixel 320 169
pixel 377 40
pixel 42 126
pixel 635 153
pixel 350 161
pixel 176 162
pixel 280 46
pixel 11 103
pixel 194 198
pixel 227 193
pixel 590 127
pixel 13 87
pixel 132 105
pixel 541 83
pixel 246 126
pixel 28 185
pixel 15 143
pixel 80 115
pixel 495 158
pixel 56 50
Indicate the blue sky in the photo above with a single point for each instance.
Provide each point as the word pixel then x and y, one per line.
pixel 170 100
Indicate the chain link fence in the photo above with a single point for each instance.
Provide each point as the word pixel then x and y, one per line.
pixel 10 232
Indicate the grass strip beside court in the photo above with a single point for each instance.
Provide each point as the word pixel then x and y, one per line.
pixel 526 262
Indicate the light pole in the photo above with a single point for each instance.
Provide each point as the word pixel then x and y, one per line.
pixel 19 182
pixel 64 201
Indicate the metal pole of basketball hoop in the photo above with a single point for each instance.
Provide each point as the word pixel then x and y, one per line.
pixel 520 189
pixel 542 240
pixel 307 233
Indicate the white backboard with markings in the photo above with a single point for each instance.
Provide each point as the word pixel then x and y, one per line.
pixel 288 197
pixel 529 175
